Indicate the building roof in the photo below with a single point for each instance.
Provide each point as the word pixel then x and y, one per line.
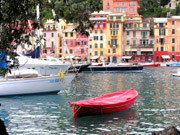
pixel 69 30
pixel 160 20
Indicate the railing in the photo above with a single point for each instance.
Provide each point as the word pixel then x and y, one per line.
pixel 142 45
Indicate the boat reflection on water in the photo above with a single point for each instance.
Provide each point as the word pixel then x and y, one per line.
pixel 118 117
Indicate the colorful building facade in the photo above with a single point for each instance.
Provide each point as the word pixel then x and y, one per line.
pixel 76 43
pixel 128 7
pixel 114 37
pixel 138 42
pixel 97 39
pixel 167 39
pixel 52 39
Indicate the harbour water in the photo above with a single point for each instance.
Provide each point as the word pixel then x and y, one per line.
pixel 156 107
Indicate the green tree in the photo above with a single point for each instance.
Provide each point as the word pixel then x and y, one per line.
pixel 14 16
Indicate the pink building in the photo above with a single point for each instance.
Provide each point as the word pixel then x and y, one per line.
pixel 129 7
pixel 77 44
pixel 51 41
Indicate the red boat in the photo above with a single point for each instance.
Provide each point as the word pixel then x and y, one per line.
pixel 150 64
pixel 109 103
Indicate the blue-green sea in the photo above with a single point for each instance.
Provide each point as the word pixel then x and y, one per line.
pixel 157 106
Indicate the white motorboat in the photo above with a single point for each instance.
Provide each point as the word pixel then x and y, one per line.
pixel 44 67
pixel 34 85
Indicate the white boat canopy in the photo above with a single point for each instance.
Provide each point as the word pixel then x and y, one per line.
pixel 94 57
pixel 165 56
pixel 67 57
pixel 126 57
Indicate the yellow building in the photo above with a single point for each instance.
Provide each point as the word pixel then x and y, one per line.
pixel 114 37
pixel 97 38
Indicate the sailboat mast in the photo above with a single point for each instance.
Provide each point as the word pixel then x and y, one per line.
pixel 38 21
pixel 61 34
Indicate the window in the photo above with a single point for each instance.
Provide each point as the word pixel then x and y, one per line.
pixel 101 31
pixel 54 27
pixel 117 3
pixel 71 51
pixel 96 52
pixel 90 46
pixel 101 45
pixel 127 33
pixel 134 33
pixel 82 50
pixel 66 34
pixel 162 32
pixel 107 4
pixel 109 42
pixel 114 50
pixel 173 48
pixel 120 9
pixel 162 49
pixel 71 34
pixel 109 51
pixel 71 43
pixel 144 25
pixel 44 44
pixel 127 42
pixel 96 45
pixel 157 58
pixel 96 25
pixel 111 17
pixel 131 3
pixel 117 25
pixel 101 37
pixel 86 43
pixel 144 34
pixel 101 24
pixel 173 31
pixel 77 43
pixel 95 37
pixel 162 40
pixel 134 42
pixel 173 40
pixel 44 51
pixel 52 44
pixel 173 22
pixel 131 9
pixel 52 34
pixel 90 31
pixel 135 25
pixel 49 27
pixel 101 52
pixel 161 25
pixel 44 34
pixel 151 42
pixel 95 31
pixel 157 49
pixel 122 3
pixel 110 25
pixel 66 42
pixel 113 41
pixel 118 17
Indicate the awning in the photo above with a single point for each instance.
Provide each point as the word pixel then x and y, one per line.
pixel 126 57
pixel 67 57
pixel 77 58
pixel 165 56
pixel 94 57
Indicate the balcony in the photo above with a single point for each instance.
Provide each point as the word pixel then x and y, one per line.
pixel 142 45
pixel 114 45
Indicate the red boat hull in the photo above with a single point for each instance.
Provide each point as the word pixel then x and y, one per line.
pixel 98 109
pixel 152 65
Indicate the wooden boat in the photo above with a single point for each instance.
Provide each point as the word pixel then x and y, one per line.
pixel 34 85
pixel 109 103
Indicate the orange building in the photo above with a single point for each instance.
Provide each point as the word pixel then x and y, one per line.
pixel 167 38
pixel 129 7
